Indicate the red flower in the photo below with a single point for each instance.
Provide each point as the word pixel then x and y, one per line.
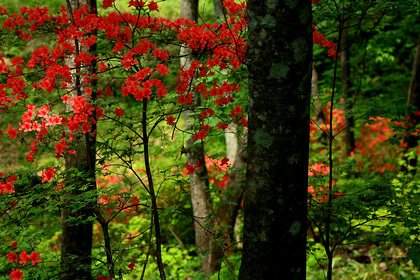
pixel 23 257
pixel 221 125
pixel 60 147
pixel 236 111
pixel 131 266
pixel 202 134
pixel 170 120
pixel 119 112
pixel 163 69
pixel 47 175
pixel 107 3
pixel 153 6
pixel 209 112
pixel 16 274
pixel 13 132
pixel 12 257
pixel 34 257
pixel 224 161
pixel 190 168
pixel 161 54
pixel 14 245
pixel 3 11
pixel 102 66
pixel 136 3
pixel 198 165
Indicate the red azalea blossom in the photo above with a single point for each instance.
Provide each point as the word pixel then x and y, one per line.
pixel 13 132
pixel 136 3
pixel 119 112
pixel 153 6
pixel 23 257
pixel 131 265
pixel 221 125
pixel 16 274
pixel 34 257
pixel 236 111
pixel 60 147
pixel 163 69
pixel 202 134
pixel 190 169
pixel 107 3
pixel 14 245
pixel 48 174
pixel 12 257
pixel 170 120
pixel 224 161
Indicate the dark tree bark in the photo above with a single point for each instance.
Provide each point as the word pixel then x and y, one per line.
pixel 76 243
pixel 346 89
pixel 413 99
pixel 279 60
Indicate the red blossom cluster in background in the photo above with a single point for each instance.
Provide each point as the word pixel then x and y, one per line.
pixel 124 201
pixel 372 148
pixel 215 168
pixel 320 194
pixel 320 39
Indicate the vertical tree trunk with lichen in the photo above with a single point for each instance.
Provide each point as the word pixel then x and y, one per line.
pixel 76 240
pixel 279 60
pixel 204 221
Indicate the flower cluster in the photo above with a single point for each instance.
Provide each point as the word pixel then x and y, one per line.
pixel 22 259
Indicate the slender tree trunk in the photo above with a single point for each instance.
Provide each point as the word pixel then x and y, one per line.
pixel 199 184
pixel 231 133
pixel 319 112
pixel 232 143
pixel 413 99
pixel 230 203
pixel 279 60
pixel 219 14
pixel 76 240
pixel 346 89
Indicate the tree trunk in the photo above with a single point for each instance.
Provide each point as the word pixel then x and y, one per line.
pixel 230 203
pixel 76 240
pixel 219 14
pixel 199 184
pixel 279 60
pixel 231 133
pixel 346 89
pixel 319 112
pixel 413 99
